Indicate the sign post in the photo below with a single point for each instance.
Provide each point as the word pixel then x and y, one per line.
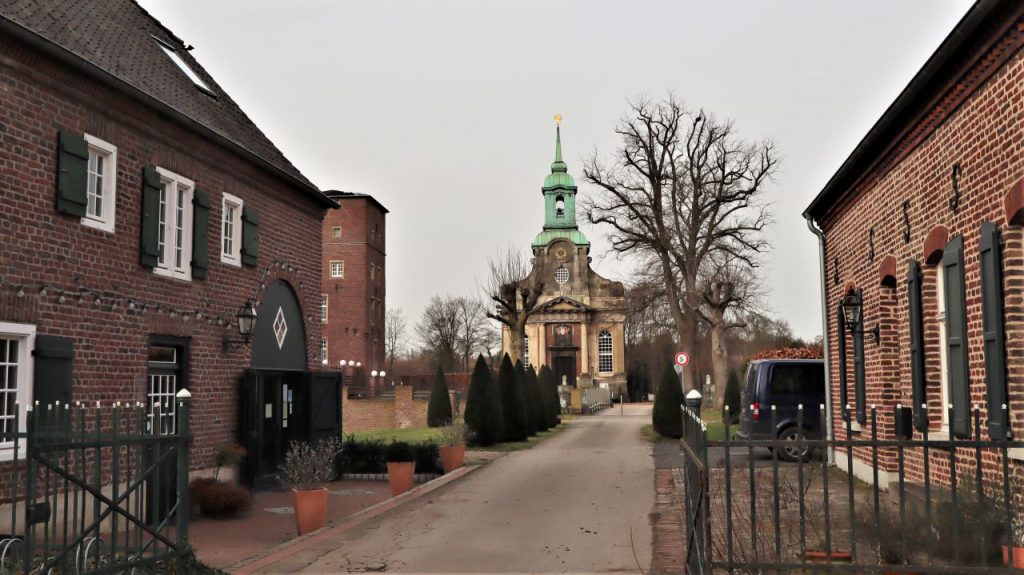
pixel 682 358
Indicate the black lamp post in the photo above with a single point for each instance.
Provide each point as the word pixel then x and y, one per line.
pixel 246 322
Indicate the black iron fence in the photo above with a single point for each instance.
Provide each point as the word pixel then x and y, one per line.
pixel 93 489
pixel 928 504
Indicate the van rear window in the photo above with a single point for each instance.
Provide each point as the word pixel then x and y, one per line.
pixel 808 379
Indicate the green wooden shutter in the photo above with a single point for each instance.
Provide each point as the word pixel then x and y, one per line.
pixel 956 336
pixel 200 233
pixel 54 357
pixel 149 237
pixel 72 174
pixel 917 382
pixel 992 326
pixel 842 364
pixel 859 392
pixel 250 236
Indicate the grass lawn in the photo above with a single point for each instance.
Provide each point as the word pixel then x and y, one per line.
pixel 716 430
pixel 520 445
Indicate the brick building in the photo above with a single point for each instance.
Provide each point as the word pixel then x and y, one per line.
pixel 922 224
pixel 143 210
pixel 578 329
pixel 353 282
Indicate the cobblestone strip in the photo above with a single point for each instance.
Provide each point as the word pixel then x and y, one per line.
pixel 667 523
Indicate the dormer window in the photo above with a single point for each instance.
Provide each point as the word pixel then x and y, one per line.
pixel 559 207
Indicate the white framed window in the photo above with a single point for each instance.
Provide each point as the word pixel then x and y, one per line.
pixel 101 184
pixel 336 232
pixel 17 341
pixel 940 318
pixel 526 351
pixel 337 269
pixel 323 308
pixel 231 230
pixel 174 237
pixel 604 352
pixel 323 350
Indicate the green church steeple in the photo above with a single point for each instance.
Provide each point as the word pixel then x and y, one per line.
pixel 559 192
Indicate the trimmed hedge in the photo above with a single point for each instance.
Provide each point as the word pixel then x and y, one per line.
pixel 370 456
pixel 512 402
pixel 483 407
pixel 668 416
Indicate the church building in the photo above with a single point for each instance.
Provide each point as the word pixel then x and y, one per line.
pixel 577 329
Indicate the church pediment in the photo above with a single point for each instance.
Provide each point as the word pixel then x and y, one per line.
pixel 563 303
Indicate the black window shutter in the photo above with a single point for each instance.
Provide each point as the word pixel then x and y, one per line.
pixel 200 233
pixel 992 326
pixel 917 383
pixel 53 361
pixel 324 405
pixel 72 174
pixel 956 336
pixel 150 225
pixel 842 364
pixel 250 236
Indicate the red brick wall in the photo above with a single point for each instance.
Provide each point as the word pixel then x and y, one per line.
pixel 398 412
pixel 985 134
pixel 355 319
pixel 38 97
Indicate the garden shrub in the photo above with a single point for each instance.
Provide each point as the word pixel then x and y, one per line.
pixel 543 422
pixel 530 415
pixel 399 451
pixel 428 457
pixel 219 499
pixel 511 402
pixel 732 398
pixel 371 455
pixel 439 409
pixel 483 407
pixel 667 416
pixel 553 403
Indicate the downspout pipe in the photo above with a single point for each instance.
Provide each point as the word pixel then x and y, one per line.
pixel 831 453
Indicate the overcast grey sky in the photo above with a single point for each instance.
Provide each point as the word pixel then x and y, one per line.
pixel 443 110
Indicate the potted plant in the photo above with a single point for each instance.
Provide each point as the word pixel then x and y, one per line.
pixel 453 446
pixel 401 458
pixel 307 469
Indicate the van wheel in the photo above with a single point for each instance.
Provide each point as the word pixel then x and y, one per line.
pixel 792 452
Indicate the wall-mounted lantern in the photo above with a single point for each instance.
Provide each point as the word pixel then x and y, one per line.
pixel 246 323
pixel 853 312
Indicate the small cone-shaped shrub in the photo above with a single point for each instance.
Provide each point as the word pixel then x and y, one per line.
pixel 667 415
pixel 732 398
pixel 511 402
pixel 530 414
pixel 439 409
pixel 552 404
pixel 537 399
pixel 483 407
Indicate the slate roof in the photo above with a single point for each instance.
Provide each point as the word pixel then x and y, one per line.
pixel 117 36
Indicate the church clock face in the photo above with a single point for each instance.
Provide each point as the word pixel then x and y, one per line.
pixel 561 254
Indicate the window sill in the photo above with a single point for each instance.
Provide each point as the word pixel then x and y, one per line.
pixel 172 274
pixel 1015 453
pixel 102 225
pixel 231 261
pixel 7 453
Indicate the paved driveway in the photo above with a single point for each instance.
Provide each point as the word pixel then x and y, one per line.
pixel 579 502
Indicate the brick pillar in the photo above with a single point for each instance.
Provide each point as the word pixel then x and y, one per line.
pixel 403 407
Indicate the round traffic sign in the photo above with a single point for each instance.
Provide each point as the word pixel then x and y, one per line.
pixel 682 358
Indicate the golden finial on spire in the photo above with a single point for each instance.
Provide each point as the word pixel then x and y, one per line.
pixel 558 118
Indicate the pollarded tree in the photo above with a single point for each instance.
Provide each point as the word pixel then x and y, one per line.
pixel 516 288
pixel 511 402
pixel 483 407
pixel 553 406
pixel 537 399
pixel 667 415
pixel 439 409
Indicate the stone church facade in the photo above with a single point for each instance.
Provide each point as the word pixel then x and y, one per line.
pixel 578 329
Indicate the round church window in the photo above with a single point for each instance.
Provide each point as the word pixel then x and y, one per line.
pixel 561 275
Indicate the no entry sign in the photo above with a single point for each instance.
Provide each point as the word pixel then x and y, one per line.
pixel 682 358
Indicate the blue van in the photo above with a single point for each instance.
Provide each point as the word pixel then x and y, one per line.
pixel 786 384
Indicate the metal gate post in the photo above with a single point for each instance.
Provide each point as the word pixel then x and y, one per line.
pixel 184 399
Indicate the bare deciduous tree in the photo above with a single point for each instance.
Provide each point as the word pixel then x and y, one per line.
pixel 475 333
pixel 395 336
pixel 683 188
pixel 516 289
pixel 729 290
pixel 438 330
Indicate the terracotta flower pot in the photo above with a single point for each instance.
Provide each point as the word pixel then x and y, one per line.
pixel 452 457
pixel 310 509
pixel 822 556
pixel 1017 559
pixel 400 476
